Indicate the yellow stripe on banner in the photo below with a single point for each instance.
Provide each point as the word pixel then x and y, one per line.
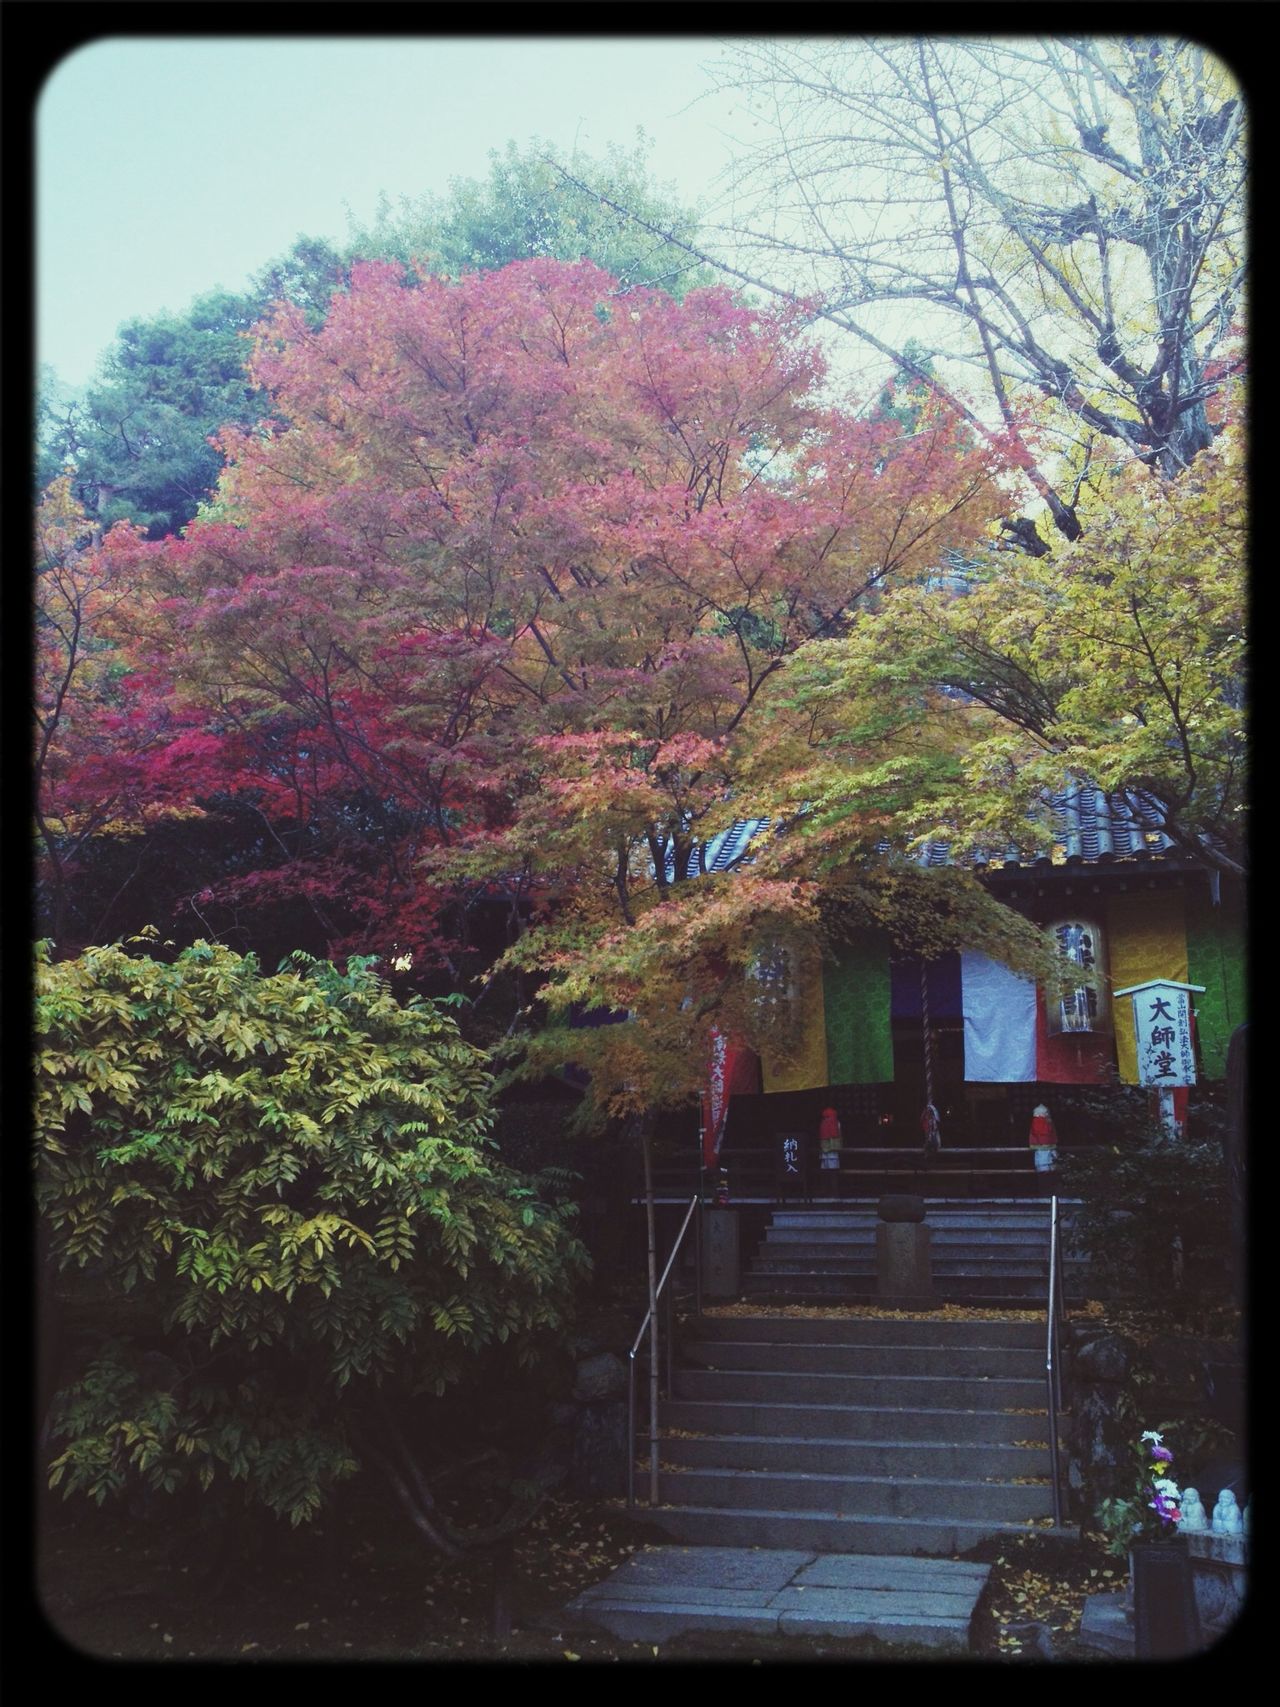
pixel 1148 940
pixel 806 1067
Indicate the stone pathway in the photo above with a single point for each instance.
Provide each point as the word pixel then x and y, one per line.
pixel 663 1592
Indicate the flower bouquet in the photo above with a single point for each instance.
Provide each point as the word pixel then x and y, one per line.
pixel 1153 1510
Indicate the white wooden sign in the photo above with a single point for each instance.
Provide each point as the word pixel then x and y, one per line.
pixel 1162 1031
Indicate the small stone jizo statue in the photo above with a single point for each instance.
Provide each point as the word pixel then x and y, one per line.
pixel 1195 1519
pixel 1043 1138
pixel 1226 1515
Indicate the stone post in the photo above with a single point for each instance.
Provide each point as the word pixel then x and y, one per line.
pixel 721 1264
pixel 904 1271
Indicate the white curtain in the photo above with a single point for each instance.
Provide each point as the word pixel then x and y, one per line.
pixel 999 1010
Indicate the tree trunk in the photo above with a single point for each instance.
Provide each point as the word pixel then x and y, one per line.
pixel 503 1588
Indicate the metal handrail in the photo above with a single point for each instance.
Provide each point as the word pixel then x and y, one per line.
pixel 689 1215
pixel 1053 1356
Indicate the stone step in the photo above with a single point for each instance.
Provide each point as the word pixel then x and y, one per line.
pixel 834 1358
pixel 810 1421
pixel 862 1496
pixel 868 1330
pixel 949 1288
pixel 664 1592
pixel 937 1202
pixel 972 1460
pixel 930 1392
pixel 803 1297
pixel 834 1289
pixel 1028 1289
pixel 1075 1279
pixel 863 1247
pixel 862 1232
pixel 766 1287
pixel 845 1220
pixel 975 1232
pixel 864 1262
pixel 823 1234
pixel 779 1258
pixel 824 1532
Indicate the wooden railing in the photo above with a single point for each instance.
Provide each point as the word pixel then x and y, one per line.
pixel 757 1172
pixel 665 1287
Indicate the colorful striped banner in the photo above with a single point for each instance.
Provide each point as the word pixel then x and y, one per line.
pixel 855 992
pixel 1216 959
pixel 805 1066
pixel 846 1008
pixel 945 1000
pixel 1148 939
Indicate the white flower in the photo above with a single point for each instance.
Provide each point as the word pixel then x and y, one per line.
pixel 1169 1489
pixel 1152 1435
pixel 403 962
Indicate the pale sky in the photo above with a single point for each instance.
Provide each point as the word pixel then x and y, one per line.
pixel 170 167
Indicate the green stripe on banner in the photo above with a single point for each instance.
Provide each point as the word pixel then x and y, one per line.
pixel 1216 959
pixel 856 997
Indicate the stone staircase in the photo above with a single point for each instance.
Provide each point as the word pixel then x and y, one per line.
pixel 991 1253
pixel 820 1474
pixel 856 1435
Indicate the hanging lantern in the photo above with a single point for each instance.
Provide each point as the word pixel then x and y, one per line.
pixel 1083 1004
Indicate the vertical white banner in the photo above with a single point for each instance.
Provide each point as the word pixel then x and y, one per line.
pixel 999 1009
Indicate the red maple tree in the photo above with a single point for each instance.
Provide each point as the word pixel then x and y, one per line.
pixel 483 620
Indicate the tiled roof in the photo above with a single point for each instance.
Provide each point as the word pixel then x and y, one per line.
pixel 1088 825
pixel 722 851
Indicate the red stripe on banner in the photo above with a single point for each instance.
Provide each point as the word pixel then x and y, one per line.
pixel 733 1070
pixel 1077 1059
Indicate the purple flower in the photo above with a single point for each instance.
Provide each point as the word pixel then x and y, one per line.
pixel 1165 1510
pixel 1163 1454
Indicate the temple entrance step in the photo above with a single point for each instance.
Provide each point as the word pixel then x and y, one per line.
pixel 821 1355
pixel 827 1532
pixel 661 1593
pixel 944 1267
pixel 929 1459
pixel 958 1392
pixel 808 1421
pixel 855 1434
pixel 985 1252
pixel 839 1328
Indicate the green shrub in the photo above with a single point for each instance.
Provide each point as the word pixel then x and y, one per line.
pixel 274 1201
pixel 1153 1217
